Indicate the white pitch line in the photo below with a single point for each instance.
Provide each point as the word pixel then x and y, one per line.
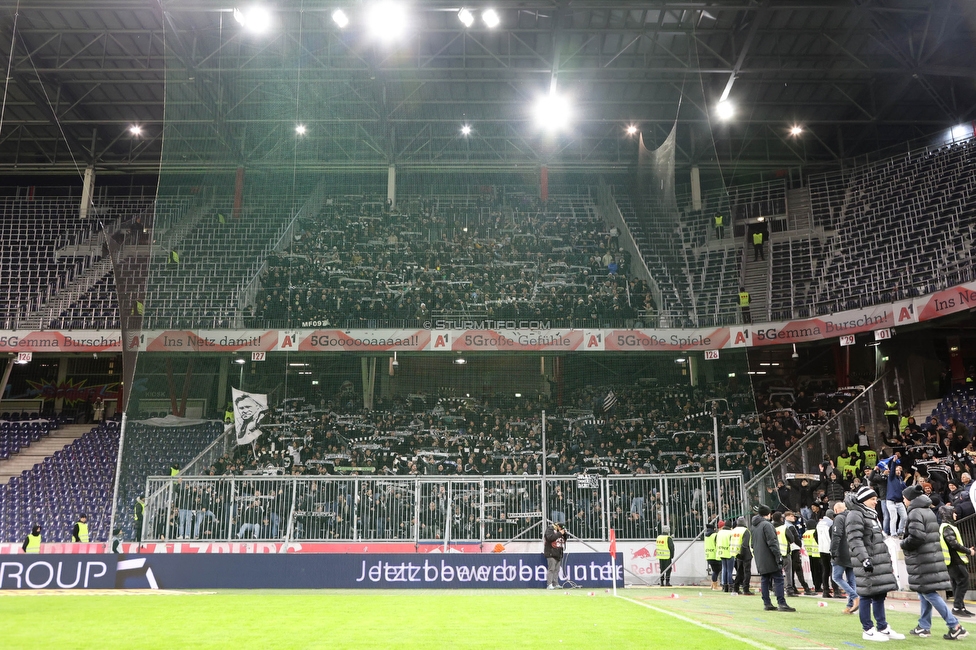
pixel 706 626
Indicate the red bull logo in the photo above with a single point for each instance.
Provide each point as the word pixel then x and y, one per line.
pixel 643 562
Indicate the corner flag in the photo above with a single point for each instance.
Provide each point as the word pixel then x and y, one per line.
pixel 613 543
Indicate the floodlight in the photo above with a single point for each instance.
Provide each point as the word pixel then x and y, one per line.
pixel 135 129
pixel 466 17
pixel 387 21
pixel 552 112
pixel 796 130
pixel 961 132
pixel 340 18
pixel 253 19
pixel 631 130
pixel 466 129
pixel 240 360
pixel 725 110
pixel 490 18
pixel 300 129
pixel 460 361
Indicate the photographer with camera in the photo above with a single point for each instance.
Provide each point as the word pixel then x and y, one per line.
pixel 555 545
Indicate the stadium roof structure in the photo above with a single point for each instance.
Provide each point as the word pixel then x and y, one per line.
pixel 858 76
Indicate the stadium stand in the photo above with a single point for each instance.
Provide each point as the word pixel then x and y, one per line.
pixel 898 228
pixel 77 479
pixel 357 264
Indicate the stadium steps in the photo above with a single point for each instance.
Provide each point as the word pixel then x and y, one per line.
pixel 800 208
pixel 923 410
pixel 38 451
pixel 756 282
pixel 63 301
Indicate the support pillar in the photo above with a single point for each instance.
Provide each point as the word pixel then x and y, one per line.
pixel 222 374
pixel 391 186
pixel 238 193
pixel 696 198
pixel 87 192
pixel 62 378
pixel 544 183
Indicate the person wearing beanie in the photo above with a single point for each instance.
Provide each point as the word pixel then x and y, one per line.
pixel 842 570
pixel 957 558
pixel 927 571
pixel 769 560
pixel 741 548
pixel 873 568
pixel 711 555
pixel 664 550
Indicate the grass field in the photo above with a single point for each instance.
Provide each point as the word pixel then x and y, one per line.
pixel 639 618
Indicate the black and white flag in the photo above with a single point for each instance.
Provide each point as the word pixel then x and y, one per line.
pixel 249 410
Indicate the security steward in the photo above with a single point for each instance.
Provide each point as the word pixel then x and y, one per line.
pixel 79 534
pixel 744 306
pixel 32 543
pixel 711 555
pixel 741 548
pixel 811 545
pixel 664 551
pixel 891 414
pixel 723 541
pixel 956 557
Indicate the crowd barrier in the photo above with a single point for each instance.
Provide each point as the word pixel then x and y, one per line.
pixel 433 509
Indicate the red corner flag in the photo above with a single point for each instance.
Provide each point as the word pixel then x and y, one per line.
pixel 613 543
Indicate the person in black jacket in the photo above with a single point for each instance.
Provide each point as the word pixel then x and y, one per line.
pixel 842 569
pixel 872 564
pixel 555 545
pixel 743 561
pixel 958 559
pixel 927 573
pixel 769 560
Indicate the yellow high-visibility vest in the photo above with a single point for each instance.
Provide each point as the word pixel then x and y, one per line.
pixel 710 547
pixel 784 546
pixel 891 407
pixel 743 298
pixel 735 544
pixel 663 552
pixel 757 238
pixel 33 543
pixel 946 553
pixel 810 543
pixel 722 542
pixel 82 532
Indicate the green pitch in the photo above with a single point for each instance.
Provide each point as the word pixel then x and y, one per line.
pixel 640 618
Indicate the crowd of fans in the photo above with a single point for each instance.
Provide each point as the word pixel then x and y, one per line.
pixel 361 261
pixel 937 455
pixel 647 431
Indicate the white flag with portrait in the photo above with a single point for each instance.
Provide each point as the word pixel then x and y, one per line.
pixel 249 410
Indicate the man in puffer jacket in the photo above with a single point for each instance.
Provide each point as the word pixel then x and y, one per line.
pixel 872 564
pixel 927 573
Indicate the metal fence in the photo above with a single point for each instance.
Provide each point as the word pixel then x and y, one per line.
pixel 826 440
pixel 441 509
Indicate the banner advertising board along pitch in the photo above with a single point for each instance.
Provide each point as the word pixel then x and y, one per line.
pixel 302 571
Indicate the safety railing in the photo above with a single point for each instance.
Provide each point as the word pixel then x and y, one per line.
pixel 824 441
pixel 441 509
